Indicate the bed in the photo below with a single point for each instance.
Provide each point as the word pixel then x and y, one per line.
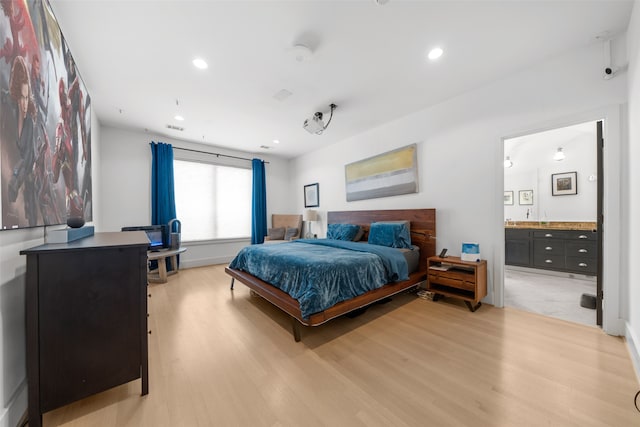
pixel 422 231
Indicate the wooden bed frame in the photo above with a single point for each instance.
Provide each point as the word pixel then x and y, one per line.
pixel 423 232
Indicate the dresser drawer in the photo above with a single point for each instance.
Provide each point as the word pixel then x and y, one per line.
pixel 582 265
pixel 548 246
pixel 549 261
pixel 586 249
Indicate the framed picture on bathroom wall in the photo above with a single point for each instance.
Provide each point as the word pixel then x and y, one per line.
pixel 526 197
pixel 564 184
pixel 508 198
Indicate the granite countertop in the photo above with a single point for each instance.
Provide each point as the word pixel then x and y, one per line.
pixel 552 225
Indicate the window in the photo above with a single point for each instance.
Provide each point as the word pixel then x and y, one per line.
pixel 212 201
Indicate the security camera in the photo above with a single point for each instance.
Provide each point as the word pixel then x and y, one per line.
pixel 609 72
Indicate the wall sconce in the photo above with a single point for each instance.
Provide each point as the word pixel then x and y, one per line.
pixel 507 162
pixel 310 216
pixel 559 156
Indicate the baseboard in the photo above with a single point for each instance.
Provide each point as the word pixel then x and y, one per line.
pixel 16 408
pixel 633 345
pixel 205 261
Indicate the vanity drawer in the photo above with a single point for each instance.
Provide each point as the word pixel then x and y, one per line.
pixel 585 249
pixel 548 246
pixel 582 264
pixel 551 234
pixel 549 261
pixel 582 235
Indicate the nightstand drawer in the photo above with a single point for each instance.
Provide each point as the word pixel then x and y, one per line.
pixel 452 282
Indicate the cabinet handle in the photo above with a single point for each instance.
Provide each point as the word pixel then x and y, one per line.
pixel 548 235
pixel 583 251
pixel 548 248
pixel 582 236
pixel 582 264
pixel 548 261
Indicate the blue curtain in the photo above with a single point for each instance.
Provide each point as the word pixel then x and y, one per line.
pixel 258 203
pixel 163 202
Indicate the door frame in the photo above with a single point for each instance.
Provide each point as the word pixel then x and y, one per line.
pixel 612 322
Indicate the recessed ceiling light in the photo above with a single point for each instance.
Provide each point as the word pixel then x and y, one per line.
pixel 275 141
pixel 200 63
pixel 180 118
pixel 435 53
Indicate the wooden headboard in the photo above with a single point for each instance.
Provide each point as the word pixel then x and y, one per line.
pixel 423 226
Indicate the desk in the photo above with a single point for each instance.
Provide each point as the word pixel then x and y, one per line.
pixel 161 276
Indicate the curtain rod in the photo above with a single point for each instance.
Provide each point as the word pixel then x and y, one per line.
pixel 214 154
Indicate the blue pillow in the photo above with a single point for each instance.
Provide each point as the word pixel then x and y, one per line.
pixel 391 234
pixel 342 231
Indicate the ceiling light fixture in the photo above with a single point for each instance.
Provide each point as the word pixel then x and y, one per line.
pixel 275 141
pixel 559 156
pixel 435 53
pixel 315 125
pixel 200 63
pixel 507 162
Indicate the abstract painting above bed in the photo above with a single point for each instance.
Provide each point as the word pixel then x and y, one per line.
pixel 322 272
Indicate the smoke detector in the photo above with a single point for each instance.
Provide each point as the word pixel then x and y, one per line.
pixel 301 53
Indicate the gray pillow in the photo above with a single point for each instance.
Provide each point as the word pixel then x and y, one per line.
pixel 359 235
pixel 276 233
pixel 290 233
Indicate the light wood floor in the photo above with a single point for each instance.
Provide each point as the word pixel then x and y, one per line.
pixel 222 358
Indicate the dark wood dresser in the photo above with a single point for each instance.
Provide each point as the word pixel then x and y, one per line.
pixel 86 315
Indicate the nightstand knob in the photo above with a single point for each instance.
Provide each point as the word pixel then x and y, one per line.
pixel 582 264
pixel 548 248
pixel 583 251
pixel 548 235
pixel 582 236
pixel 548 261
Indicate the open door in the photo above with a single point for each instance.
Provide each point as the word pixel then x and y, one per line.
pixel 599 221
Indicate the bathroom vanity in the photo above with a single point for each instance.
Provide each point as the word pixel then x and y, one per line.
pixel 561 246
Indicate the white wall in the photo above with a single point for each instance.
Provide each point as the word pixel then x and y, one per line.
pixel 460 150
pixel 126 189
pixel 535 172
pixel 633 194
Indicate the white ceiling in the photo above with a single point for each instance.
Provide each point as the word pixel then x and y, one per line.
pixel 135 58
pixel 531 152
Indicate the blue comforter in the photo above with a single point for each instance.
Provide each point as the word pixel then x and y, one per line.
pixel 320 272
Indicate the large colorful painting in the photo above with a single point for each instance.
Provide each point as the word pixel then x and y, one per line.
pixel 45 121
pixel 388 174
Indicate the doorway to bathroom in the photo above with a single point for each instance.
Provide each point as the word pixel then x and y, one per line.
pixel 553 221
